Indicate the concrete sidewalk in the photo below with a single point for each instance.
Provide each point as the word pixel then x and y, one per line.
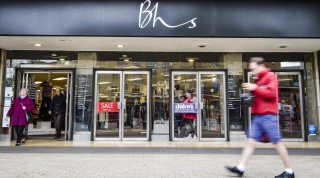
pixel 115 159
pixel 115 165
pixel 157 144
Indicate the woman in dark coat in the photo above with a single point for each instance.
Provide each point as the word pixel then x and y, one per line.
pixel 58 109
pixel 17 112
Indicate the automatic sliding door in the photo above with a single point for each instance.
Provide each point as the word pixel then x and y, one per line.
pixel 291 105
pixel 108 85
pixel 122 108
pixel 135 110
pixel 198 105
pixel 184 110
pixel 213 105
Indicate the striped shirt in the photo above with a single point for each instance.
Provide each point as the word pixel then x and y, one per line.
pixel 33 90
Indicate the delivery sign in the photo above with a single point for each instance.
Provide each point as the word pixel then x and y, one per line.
pixel 185 108
pixel 107 107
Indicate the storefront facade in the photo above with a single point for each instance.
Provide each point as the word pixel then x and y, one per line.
pixel 138 59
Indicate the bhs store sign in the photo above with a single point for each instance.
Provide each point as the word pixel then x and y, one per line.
pixel 149 15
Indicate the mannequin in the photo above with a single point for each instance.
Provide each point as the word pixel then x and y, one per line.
pixel 158 103
pixel 46 99
pixel 143 111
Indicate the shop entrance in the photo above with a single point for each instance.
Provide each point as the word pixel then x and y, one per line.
pixel 42 85
pixel 198 105
pixel 291 108
pixel 122 105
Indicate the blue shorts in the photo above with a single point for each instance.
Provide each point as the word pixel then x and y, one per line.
pixel 265 124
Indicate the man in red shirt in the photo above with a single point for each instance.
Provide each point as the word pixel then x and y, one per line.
pixel 264 116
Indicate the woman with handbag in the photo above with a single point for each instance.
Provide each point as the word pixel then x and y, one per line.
pixel 18 111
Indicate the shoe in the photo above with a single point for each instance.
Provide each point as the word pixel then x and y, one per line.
pixel 285 175
pixel 18 144
pixel 55 137
pixel 195 136
pixel 235 170
pixel 189 136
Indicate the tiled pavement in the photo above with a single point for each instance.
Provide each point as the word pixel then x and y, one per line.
pixel 161 161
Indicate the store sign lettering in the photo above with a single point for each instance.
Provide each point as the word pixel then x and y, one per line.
pixel 148 15
pixel 107 107
pixel 185 108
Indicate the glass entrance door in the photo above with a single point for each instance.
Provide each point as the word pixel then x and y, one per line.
pixel 122 107
pixel 291 105
pixel 35 80
pixel 290 101
pixel 198 105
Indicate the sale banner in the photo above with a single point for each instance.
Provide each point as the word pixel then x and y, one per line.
pixel 107 107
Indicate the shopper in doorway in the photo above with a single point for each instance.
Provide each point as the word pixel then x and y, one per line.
pixel 190 118
pixel 17 112
pixel 264 112
pixel 57 110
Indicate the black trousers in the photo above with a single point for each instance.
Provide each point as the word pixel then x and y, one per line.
pixel 19 131
pixel 58 124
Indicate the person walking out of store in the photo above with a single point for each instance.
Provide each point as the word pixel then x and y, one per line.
pixel 57 109
pixel 17 112
pixel 264 113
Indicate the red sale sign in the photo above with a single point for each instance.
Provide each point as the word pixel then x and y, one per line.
pixel 107 107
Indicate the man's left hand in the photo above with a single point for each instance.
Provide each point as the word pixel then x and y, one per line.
pixel 249 86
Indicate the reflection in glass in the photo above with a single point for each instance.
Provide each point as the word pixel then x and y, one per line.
pixel 290 108
pixel 185 112
pixel 213 120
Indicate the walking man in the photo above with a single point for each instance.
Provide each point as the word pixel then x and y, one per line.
pixel 264 117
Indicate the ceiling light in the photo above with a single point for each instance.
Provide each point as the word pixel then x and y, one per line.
pixel 192 59
pixel 61 59
pixel 120 45
pixel 102 83
pixel 37 82
pixel 54 55
pixel 134 79
pixel 60 78
pixel 126 60
pixel 38 44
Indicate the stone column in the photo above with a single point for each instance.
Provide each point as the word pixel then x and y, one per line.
pixel 233 62
pixel 84 93
pixel 311 93
pixel 2 83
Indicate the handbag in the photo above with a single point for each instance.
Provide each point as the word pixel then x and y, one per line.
pixel 29 117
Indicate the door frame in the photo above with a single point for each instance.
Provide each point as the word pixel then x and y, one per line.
pixel 122 72
pixel 35 69
pixel 299 72
pixel 171 97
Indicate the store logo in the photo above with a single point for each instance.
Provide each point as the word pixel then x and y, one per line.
pixel 147 15
pixel 185 108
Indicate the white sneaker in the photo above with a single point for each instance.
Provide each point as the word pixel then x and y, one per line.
pixel 195 136
pixel 189 136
